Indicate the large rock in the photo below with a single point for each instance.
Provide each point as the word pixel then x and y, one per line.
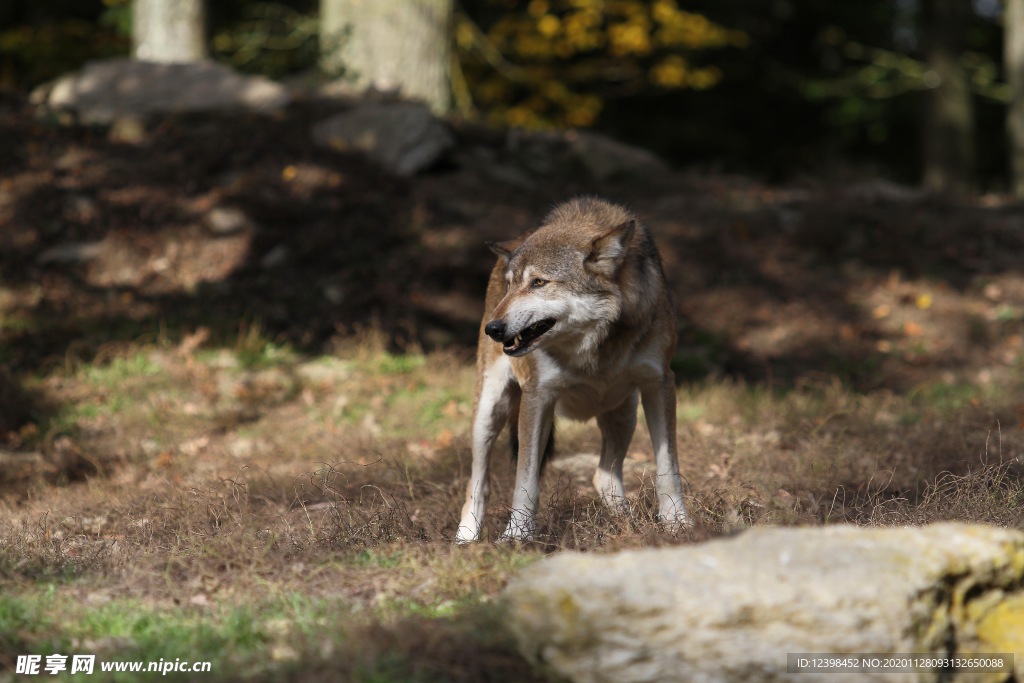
pixel 605 158
pixel 585 152
pixel 732 609
pixel 108 90
pixel 403 137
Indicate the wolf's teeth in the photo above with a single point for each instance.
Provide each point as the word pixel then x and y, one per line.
pixel 519 338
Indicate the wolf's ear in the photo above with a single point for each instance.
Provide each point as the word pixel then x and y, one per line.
pixel 609 250
pixel 504 249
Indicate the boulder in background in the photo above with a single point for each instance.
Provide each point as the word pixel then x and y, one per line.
pixel 403 137
pixel 107 90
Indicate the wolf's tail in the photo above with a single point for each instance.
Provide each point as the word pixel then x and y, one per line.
pixel 549 448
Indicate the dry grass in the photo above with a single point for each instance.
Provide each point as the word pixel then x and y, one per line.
pixel 291 517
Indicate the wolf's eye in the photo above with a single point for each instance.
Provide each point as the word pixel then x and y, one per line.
pixel 537 282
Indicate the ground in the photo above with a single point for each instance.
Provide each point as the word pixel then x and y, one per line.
pixel 236 383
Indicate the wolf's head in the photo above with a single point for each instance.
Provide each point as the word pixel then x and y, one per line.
pixel 567 282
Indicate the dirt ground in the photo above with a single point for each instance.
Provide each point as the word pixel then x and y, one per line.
pixel 236 382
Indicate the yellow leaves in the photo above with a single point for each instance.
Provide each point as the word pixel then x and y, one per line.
pixel 665 11
pixel 630 38
pixel 556 91
pixel 702 79
pixel 675 72
pixel 670 73
pixel 627 8
pixel 523 116
pixel 541 65
pixel 692 31
pixel 549 25
pixel 629 28
pixel 537 8
pixel 582 33
pixel 582 110
pixel 553 105
pixel 464 37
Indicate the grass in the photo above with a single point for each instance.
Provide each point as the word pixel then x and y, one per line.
pixel 289 627
pixel 290 518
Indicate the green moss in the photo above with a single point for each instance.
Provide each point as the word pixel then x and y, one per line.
pixel 120 370
pixel 399 365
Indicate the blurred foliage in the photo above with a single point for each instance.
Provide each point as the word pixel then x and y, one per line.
pixel 778 87
pixel 550 63
pixel 880 74
pixel 43 45
pixel 823 90
pixel 118 17
pixel 270 39
pixel 41 39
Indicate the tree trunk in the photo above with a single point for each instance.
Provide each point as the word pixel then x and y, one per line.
pixel 169 31
pixel 1013 61
pixel 949 106
pixel 390 45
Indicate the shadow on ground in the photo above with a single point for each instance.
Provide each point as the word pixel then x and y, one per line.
pixel 219 222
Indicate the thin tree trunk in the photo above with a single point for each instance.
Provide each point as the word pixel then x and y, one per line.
pixel 1013 60
pixel 390 45
pixel 949 107
pixel 169 31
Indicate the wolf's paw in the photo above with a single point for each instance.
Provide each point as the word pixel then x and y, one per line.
pixel 512 539
pixel 673 515
pixel 517 531
pixel 619 506
pixel 676 521
pixel 464 539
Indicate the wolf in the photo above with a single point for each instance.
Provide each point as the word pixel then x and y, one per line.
pixel 579 322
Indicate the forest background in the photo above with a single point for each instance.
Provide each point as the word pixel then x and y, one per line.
pixel 777 88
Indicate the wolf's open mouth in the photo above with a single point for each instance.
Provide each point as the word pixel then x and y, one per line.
pixel 518 345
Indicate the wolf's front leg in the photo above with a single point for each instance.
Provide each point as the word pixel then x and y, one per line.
pixel 617 427
pixel 497 398
pixel 659 399
pixel 536 417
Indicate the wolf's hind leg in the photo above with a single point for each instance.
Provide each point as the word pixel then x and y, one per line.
pixel 498 398
pixel 617 427
pixel 660 409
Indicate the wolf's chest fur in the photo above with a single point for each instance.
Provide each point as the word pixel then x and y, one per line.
pixel 582 395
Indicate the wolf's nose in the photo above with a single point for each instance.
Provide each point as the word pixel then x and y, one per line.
pixel 495 330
